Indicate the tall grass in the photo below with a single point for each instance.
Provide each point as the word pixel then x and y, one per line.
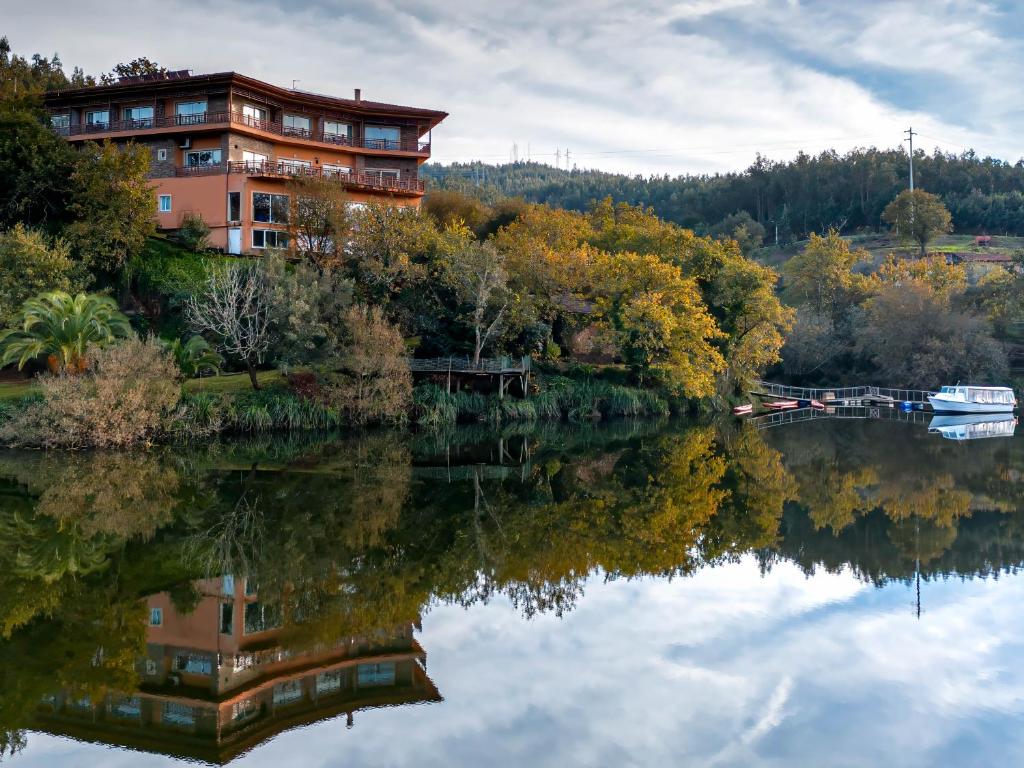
pixel 559 398
pixel 207 413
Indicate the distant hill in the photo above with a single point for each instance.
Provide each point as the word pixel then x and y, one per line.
pixel 807 194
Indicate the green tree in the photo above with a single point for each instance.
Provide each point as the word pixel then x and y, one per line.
pixel 63 327
pixel 194 232
pixel 36 166
pixel 31 264
pixel 194 357
pixel 918 217
pixel 739 226
pixel 112 203
pixel 319 220
pixel 477 274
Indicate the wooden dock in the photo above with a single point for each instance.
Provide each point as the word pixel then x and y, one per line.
pixel 505 369
pixel 864 395
pixel 844 412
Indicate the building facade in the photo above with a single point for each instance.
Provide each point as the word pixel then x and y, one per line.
pixel 224 146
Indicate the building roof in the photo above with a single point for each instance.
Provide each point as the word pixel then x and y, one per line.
pixel 174 81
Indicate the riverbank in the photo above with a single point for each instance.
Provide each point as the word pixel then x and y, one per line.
pixel 227 405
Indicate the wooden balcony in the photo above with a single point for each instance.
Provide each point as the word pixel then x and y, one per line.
pixel 404 183
pixel 216 119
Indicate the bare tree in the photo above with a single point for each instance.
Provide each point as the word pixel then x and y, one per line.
pixel 477 273
pixel 235 307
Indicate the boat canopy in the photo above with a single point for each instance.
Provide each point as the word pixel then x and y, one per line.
pixel 994 395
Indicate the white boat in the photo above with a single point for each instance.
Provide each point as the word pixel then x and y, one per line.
pixel 974 426
pixel 967 399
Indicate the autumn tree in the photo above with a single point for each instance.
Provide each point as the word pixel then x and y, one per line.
pixel 385 254
pixel 375 384
pixel 918 217
pixel 319 220
pixel 944 279
pixel 821 274
pixel 112 203
pixel 659 323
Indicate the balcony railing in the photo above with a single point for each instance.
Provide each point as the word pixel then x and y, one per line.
pixel 405 144
pixel 390 145
pixel 169 121
pixel 375 180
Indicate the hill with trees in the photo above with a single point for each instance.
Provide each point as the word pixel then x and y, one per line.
pixel 810 193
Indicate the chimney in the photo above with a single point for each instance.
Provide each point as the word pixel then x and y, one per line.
pixel 359 94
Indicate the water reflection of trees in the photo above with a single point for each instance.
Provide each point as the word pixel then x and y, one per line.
pixel 344 537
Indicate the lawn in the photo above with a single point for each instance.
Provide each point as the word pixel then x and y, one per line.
pixel 228 382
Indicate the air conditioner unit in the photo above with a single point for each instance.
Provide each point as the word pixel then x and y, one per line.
pixel 186 143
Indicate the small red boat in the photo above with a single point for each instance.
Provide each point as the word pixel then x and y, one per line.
pixel 743 410
pixel 781 405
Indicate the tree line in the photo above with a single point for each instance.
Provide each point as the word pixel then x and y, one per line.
pixel 810 193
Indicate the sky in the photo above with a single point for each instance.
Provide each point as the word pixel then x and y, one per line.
pixel 646 87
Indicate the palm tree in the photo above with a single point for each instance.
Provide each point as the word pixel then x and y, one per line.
pixel 63 327
pixel 194 357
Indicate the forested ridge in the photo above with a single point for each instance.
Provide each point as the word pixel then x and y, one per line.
pixel 811 193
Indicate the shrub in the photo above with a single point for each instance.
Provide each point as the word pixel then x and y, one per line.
pixel 125 398
pixel 194 232
pixel 31 264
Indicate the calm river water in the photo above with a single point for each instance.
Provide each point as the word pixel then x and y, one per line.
pixel 828 593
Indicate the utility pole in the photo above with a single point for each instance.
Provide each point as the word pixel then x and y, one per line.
pixel 910 133
pixel 558 157
pixel 568 167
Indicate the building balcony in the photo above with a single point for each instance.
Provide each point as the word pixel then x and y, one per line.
pixel 402 183
pixel 207 120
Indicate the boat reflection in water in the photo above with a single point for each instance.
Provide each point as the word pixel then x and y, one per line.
pixel 974 426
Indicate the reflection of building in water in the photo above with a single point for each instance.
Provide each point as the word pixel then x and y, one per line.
pixel 218 681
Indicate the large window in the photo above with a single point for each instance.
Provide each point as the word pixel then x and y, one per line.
pixel 234 214
pixel 294 167
pixel 287 692
pixel 178 714
pixel 190 112
pixel 254 116
pixel 335 131
pixel 386 177
pixel 60 122
pixel 269 208
pixel 260 617
pixel 198 158
pixel 265 238
pixel 335 170
pixel 296 125
pixel 382 136
pixel 99 118
pixel 254 161
pixel 371 675
pixel 139 117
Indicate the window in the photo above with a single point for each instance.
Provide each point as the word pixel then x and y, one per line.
pixel 272 209
pixel 156 617
pixel 382 137
pixel 234 214
pixel 190 112
pixel 161 155
pixel 259 617
pixel 330 682
pixel 265 238
pixel 254 116
pixel 295 125
pixel 178 714
pixel 371 675
pixel 227 618
pixel 335 170
pixel 386 177
pixel 287 692
pixel 253 160
pixel 60 122
pixel 244 709
pixel 139 117
pixel 165 203
pixel 337 132
pixel 127 707
pixel 194 663
pixel 99 118
pixel 200 158
pixel 294 167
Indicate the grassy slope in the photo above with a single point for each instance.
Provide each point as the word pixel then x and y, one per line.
pixel 228 382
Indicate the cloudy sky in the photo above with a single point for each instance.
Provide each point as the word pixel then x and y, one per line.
pixel 642 86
